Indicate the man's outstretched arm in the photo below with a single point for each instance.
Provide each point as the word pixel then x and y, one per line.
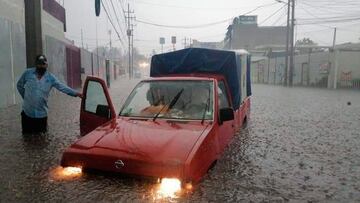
pixel 65 89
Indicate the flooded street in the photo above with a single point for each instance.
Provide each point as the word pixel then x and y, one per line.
pixel 301 144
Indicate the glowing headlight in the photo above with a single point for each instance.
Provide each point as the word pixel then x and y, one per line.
pixel 65 173
pixel 169 187
pixel 72 171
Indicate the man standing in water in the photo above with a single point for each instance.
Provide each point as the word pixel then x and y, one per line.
pixel 34 87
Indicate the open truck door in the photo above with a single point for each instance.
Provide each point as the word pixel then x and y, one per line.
pixel 96 105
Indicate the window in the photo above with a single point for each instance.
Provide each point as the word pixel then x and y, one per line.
pixel 95 97
pixel 223 96
pixel 191 100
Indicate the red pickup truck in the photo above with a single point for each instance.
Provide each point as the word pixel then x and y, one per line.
pixel 174 125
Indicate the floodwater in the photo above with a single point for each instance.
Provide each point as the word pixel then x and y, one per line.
pixel 301 144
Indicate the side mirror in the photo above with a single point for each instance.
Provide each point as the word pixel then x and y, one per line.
pixel 103 111
pixel 226 114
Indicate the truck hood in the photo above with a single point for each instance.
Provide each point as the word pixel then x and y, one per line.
pixel 141 143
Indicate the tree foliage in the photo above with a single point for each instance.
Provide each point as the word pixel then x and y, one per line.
pixel 305 41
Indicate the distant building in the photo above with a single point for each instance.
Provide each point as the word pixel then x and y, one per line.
pixel 244 33
pixel 208 45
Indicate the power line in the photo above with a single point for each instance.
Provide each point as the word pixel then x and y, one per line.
pixel 328 18
pixel 200 25
pixel 270 16
pixel 184 26
pixel 309 22
pixel 324 8
pixel 123 11
pixel 336 4
pixel 184 7
pixel 112 23
pixel 280 17
pixel 117 18
pixel 308 12
pixel 312 31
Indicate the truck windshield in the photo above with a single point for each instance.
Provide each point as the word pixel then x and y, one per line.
pixel 150 98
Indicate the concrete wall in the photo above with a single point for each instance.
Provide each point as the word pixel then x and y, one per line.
pixel 12 49
pixel 52 27
pixel 86 62
pixel 313 74
pixel 13 10
pixel 271 71
pixel 56 55
pixel 89 66
pixel 349 64
pixel 54 45
pixel 257 71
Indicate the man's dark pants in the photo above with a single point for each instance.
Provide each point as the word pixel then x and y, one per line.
pixel 33 125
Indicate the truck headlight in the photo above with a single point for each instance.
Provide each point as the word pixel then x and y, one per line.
pixel 169 187
pixel 65 173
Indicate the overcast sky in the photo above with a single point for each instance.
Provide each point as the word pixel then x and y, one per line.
pixel 80 14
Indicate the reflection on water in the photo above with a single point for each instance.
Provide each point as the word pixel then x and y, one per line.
pixel 302 147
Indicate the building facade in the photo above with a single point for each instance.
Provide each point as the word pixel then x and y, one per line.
pixel 245 33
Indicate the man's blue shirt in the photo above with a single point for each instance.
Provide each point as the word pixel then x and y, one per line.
pixel 35 92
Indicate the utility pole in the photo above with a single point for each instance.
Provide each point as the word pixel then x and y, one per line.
pixel 173 42
pixel 334 39
pixel 336 62
pixel 130 34
pixel 82 39
pixel 308 68
pixel 268 73
pixel 110 50
pixel 33 30
pixel 132 46
pixel 275 70
pixel 185 43
pixel 97 49
pixel 287 45
pixel 292 44
pixel 162 42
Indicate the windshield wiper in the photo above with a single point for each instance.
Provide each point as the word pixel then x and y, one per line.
pixel 172 103
pixel 206 108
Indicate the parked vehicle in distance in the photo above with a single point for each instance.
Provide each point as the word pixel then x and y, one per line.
pixel 173 125
pixel 137 73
